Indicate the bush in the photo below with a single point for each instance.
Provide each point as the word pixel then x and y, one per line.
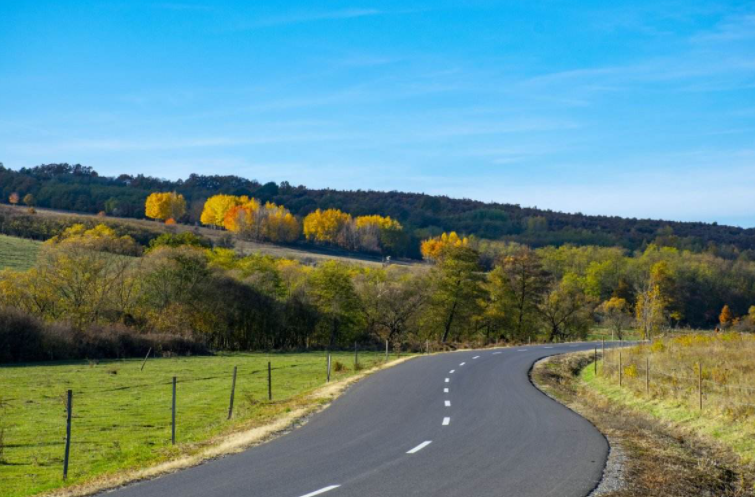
pixel 25 338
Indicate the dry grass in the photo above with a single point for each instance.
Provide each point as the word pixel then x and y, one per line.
pixel 660 458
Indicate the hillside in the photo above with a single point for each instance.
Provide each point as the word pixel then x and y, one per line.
pixel 81 189
pixel 17 253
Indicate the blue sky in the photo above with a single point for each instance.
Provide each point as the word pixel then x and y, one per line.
pixel 633 108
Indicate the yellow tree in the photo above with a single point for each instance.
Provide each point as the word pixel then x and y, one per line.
pixel 14 198
pixel 433 248
pixel 165 205
pixel 617 314
pixel 217 206
pixel 279 225
pixel 726 318
pixel 324 226
pixel 242 217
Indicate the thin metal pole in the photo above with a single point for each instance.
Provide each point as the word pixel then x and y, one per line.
pixel 386 350
pixel 603 354
pixel 145 359
pixel 356 356
pixel 233 391
pixel 647 375
pixel 69 414
pixel 173 423
pixel 269 381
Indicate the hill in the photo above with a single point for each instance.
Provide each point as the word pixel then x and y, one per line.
pixel 17 253
pixel 82 189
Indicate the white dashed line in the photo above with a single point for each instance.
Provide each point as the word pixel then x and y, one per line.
pixel 522 350
pixel 448 403
pixel 463 363
pixel 321 491
pixel 548 347
pixel 445 390
pixel 476 357
pixel 496 353
pixel 452 371
pixel 446 422
pixel 448 380
pixel 419 447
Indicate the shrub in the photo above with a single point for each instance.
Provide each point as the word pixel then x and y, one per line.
pixel 338 366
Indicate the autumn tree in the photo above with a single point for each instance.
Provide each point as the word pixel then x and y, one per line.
pixel 165 205
pixel 325 226
pixel 652 303
pixel 14 198
pixel 217 206
pixel 29 200
pixel 726 319
pixel 616 313
pixel 432 248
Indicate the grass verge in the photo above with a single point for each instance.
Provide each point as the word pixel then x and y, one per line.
pixel 659 457
pixel 121 424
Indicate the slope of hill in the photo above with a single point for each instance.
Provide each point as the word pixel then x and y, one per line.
pixel 81 189
pixel 17 253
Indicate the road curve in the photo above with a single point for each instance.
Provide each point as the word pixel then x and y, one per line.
pixel 490 432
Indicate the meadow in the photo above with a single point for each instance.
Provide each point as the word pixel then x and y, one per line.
pixel 122 415
pixel 704 382
pixel 17 253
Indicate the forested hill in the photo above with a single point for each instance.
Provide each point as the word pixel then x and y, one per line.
pixel 79 188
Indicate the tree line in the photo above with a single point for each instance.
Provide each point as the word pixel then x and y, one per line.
pixel 80 188
pixel 92 278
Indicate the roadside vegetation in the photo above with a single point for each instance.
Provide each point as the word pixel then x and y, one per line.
pixel 703 383
pixel 651 453
pixel 122 414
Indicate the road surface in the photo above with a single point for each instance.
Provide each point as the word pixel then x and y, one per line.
pixel 458 424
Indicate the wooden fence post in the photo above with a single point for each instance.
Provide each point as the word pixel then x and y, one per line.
pixel 647 375
pixel 69 414
pixel 233 391
pixel 328 367
pixel 603 354
pixel 173 423
pixel 620 370
pixel 700 384
pixel 595 360
pixel 386 351
pixel 269 381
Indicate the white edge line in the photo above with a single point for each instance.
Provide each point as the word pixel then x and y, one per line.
pixel 419 447
pixel 446 422
pixel 321 491
pixel 448 403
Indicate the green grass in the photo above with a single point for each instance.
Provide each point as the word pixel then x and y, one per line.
pixel 122 415
pixel 737 434
pixel 17 253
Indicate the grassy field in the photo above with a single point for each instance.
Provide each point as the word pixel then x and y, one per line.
pixel 122 415
pixel 670 389
pixel 17 253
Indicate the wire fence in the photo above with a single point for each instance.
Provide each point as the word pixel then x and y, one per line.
pixel 690 382
pixel 103 416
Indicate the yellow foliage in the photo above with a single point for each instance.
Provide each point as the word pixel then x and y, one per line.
pixel 324 226
pixel 381 222
pixel 217 206
pixel 165 205
pixel 433 247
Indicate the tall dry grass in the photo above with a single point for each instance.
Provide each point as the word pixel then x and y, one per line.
pixel 723 364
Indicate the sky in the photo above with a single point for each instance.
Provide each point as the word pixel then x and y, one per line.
pixel 633 108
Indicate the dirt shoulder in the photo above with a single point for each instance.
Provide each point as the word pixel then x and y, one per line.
pixel 648 457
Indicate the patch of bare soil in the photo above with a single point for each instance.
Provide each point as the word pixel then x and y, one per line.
pixel 648 457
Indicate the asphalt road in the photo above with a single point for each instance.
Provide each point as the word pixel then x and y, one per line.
pixel 459 424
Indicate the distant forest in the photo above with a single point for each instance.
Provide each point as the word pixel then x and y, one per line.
pixel 79 188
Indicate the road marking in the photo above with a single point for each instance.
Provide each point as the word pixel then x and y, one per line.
pixel 446 422
pixel 476 357
pixel 445 390
pixel 321 491
pixel 448 403
pixel 419 447
pixel 548 347
pixel 452 371
pixel 496 353
pixel 572 345
pixel 463 363
pixel 447 380
pixel 522 350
